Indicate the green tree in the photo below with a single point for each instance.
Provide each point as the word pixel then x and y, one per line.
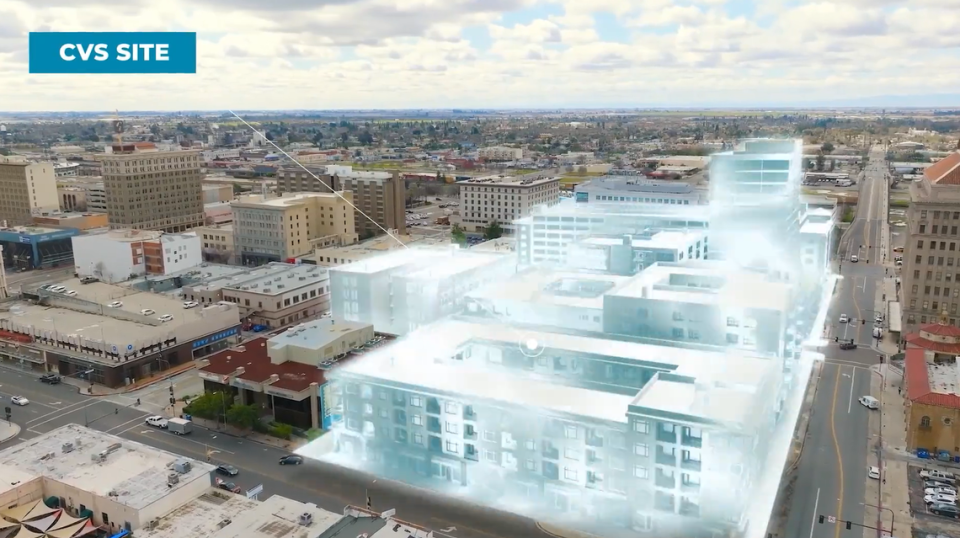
pixel 237 188
pixel 493 231
pixel 820 161
pixel 209 405
pixel 456 233
pixel 317 138
pixel 243 416
pixel 365 138
pixel 827 147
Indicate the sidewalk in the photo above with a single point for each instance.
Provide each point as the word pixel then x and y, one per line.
pixel 888 431
pixel 93 389
pixel 216 426
pixel 8 431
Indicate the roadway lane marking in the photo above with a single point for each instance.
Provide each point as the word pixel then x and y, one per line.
pixel 63 412
pixel 117 427
pixel 813 521
pixel 836 446
pixel 207 447
pixel 853 374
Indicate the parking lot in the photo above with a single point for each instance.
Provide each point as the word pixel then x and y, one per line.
pixel 425 215
pixel 923 518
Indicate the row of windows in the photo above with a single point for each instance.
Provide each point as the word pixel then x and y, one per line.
pixel 955 215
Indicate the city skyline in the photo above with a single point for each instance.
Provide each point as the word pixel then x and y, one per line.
pixel 507 54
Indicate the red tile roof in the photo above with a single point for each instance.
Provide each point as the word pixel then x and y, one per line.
pixel 940 329
pixel 940 347
pixel 918 382
pixel 946 171
pixel 252 356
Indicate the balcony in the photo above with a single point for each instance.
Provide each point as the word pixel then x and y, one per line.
pixel 469 413
pixel 691 465
pixel 551 452
pixel 695 442
pixel 594 440
pixel 663 458
pixel 469 433
pixel 665 481
pixel 689 487
pixel 471 453
pixel 665 436
pixel 433 406
pixel 663 502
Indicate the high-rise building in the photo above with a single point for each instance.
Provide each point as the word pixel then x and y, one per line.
pixel 26 189
pixel 931 268
pixel 379 198
pixel 504 199
pixel 270 228
pixel 153 190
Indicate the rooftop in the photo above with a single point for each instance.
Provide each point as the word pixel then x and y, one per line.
pixel 936 337
pixel 281 201
pixel 316 334
pixel 278 517
pixel 254 358
pixel 394 259
pixel 661 240
pixel 129 236
pixel 202 516
pixel 708 283
pixel 510 181
pixel 278 278
pixel 931 383
pixel 945 171
pixel 633 184
pixel 555 287
pixel 131 473
pixel 31 230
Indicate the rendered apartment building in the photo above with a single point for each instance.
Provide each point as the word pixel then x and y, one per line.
pixel 604 383
pixel 636 190
pixel 931 263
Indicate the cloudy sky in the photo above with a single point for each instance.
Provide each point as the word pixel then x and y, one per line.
pixel 327 54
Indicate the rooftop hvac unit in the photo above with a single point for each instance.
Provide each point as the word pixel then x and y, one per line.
pixel 173 478
pixel 280 286
pixel 67 448
pixel 306 519
pixel 113 448
pixel 303 278
pixel 254 286
pixel 99 458
pixel 266 290
pixel 182 466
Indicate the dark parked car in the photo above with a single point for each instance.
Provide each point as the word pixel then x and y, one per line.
pixel 848 345
pixel 947 510
pixel 228 470
pixel 88 280
pixel 292 459
pixel 51 379
pixel 229 486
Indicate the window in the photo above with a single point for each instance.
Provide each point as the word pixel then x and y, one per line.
pixel 452 427
pixel 569 474
pixel 530 445
pixel 570 432
pixel 641 449
pixel 367 409
pixel 452 446
pixel 489 436
pixel 925 422
pixel 571 454
pixel 490 456
pixel 415 401
pixel 417 420
pixel 639 471
pixel 418 438
pixel 530 465
pixel 641 426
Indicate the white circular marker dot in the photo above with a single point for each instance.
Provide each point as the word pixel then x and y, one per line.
pixel 532 344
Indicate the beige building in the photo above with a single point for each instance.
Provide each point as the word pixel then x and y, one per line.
pixel 278 228
pixel 213 193
pixel 379 197
pixel 319 340
pixel 500 153
pixel 66 219
pixel 280 294
pixel 931 259
pixel 26 189
pixel 503 199
pixel 153 190
pixel 217 242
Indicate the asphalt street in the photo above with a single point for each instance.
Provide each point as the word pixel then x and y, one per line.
pixel 328 486
pixel 832 472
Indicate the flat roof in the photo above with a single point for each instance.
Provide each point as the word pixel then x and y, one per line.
pixel 633 184
pixel 202 516
pixel 278 517
pixel 316 334
pixel 454 263
pixel 31 230
pixel 533 285
pixel 509 181
pixel 715 285
pixel 390 260
pixel 253 356
pixel 267 281
pixel 662 240
pixel 725 404
pixel 281 201
pixel 819 228
pixel 407 364
pixel 136 472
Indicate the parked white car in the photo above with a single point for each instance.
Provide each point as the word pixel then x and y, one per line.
pixel 940 498
pixel 934 474
pixel 156 421
pixel 70 293
pixel 938 491
pixel 874 473
pixel 148 312
pixel 57 289
pixel 190 304
pixel 115 304
pixel 844 318
pixel 165 318
pixel 869 402
pixel 19 400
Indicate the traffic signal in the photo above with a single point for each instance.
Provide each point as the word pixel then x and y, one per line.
pixel 369 503
pixel 9 412
pixel 836 338
pixel 173 400
pixel 863 322
pixel 171 390
pixel 821 520
pixel 848 525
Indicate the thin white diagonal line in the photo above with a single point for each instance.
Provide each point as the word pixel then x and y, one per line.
pixel 314 176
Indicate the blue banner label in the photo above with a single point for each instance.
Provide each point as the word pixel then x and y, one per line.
pixel 113 52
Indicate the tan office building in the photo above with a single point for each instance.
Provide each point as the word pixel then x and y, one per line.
pixel 153 190
pixel 277 228
pixel 503 199
pixel 931 259
pixel 26 189
pixel 379 197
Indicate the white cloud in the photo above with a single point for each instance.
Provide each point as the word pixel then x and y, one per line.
pixel 418 53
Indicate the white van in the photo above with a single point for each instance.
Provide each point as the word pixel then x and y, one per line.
pixel 869 402
pixel 877 332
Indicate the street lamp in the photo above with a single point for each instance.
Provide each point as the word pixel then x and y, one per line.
pixel 223 399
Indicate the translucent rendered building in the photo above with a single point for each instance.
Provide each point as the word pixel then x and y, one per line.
pixel 601 383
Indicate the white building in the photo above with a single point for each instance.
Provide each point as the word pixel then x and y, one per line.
pixel 317 341
pixel 119 255
pixel 404 289
pixel 628 254
pixel 503 200
pixel 108 480
pixel 633 190
pixel 500 153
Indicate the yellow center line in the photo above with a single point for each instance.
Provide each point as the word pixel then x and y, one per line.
pixel 836 446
